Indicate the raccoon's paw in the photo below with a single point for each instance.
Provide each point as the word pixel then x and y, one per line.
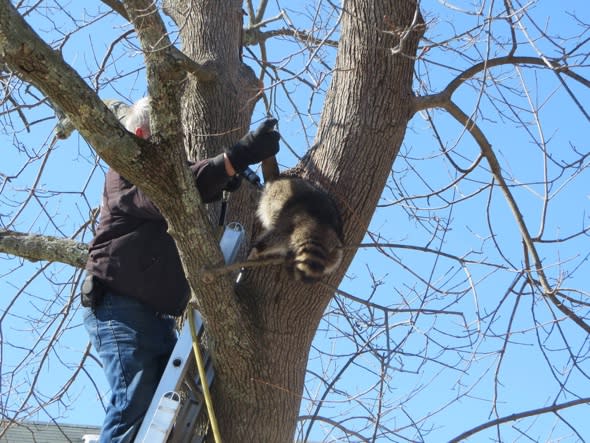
pixel 254 254
pixel 261 252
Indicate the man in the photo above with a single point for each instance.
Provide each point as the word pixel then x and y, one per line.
pixel 136 285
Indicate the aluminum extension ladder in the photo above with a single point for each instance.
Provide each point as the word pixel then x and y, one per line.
pixel 176 410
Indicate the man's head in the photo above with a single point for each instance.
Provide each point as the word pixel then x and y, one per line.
pixel 137 119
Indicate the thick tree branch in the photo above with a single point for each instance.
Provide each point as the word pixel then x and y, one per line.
pixel 38 64
pixel 163 76
pixel 116 6
pixel 206 71
pixel 42 247
pixel 187 219
pixel 156 166
pixel 34 61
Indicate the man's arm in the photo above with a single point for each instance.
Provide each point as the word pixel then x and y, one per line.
pixel 211 176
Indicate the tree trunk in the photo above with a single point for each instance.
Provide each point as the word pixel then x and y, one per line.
pixel 362 127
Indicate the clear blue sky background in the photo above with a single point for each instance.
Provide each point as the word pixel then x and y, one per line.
pixel 427 385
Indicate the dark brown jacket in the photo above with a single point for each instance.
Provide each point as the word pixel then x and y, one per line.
pixel 132 253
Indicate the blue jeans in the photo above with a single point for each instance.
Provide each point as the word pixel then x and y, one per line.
pixel 134 344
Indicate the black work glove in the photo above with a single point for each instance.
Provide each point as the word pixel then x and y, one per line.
pixel 255 146
pixel 233 184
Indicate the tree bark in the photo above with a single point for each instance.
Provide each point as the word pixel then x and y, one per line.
pixel 369 104
pixel 42 247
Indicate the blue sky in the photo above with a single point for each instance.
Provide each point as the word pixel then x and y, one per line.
pixel 462 339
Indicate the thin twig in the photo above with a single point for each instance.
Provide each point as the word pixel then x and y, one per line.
pixel 208 275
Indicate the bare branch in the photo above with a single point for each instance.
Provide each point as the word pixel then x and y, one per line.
pixel 209 275
pixel 439 99
pixel 41 247
pixel 496 169
pixel 519 416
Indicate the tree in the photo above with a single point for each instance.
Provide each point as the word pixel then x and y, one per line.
pixel 454 289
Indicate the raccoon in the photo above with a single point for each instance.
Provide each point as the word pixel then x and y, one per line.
pixel 302 224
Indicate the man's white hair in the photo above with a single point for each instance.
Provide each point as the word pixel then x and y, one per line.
pixel 138 115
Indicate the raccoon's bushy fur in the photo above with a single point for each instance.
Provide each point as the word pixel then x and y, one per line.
pixel 302 224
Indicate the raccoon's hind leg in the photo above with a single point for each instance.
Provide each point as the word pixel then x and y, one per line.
pixel 272 243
